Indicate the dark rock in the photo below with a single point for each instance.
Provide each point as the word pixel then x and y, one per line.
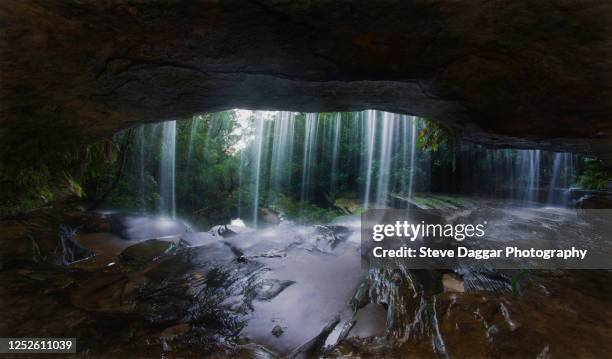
pixel 330 236
pixel 267 289
pixel 148 250
pixel 254 351
pixel 269 216
pixel 277 331
pixel 90 222
pixel 175 331
pixel 360 298
pixel 482 279
pixel 595 202
pixel 314 347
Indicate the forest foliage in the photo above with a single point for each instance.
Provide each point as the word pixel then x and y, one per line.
pixel 214 170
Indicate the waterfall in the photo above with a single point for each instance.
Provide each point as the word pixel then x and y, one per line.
pixel 560 179
pixel 335 151
pixel 370 158
pixel 384 134
pixel 240 182
pixel 141 168
pixel 309 157
pixel 260 132
pixel 192 131
pixel 533 187
pixel 509 171
pixel 404 143
pixel 384 161
pixel 168 169
pixel 529 174
pixel 282 152
pixel 381 159
pixel 554 177
pixel 413 136
pixel 369 127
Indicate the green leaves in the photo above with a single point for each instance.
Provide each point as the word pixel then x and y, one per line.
pixel 433 135
pixel 595 175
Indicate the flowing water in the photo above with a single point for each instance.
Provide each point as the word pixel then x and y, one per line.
pixel 370 138
pixel 337 127
pixel 192 131
pixel 282 152
pixel 561 179
pixel 259 160
pixel 317 158
pixel 413 136
pixel 296 283
pixel 533 175
pixel 168 170
pixel 385 159
pixel 309 154
pixel 141 168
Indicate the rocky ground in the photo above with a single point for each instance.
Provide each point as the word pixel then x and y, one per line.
pixel 140 287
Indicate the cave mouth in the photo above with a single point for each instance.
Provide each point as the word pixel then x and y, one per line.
pixel 243 232
pixel 290 161
pixel 150 207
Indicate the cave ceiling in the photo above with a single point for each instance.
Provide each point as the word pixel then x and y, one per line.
pixel 531 74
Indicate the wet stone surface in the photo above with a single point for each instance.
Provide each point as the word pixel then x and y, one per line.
pixel 290 290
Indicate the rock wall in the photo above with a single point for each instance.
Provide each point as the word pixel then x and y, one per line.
pixel 509 73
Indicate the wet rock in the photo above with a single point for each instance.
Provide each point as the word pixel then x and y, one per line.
pixel 68 250
pixel 360 299
pixel 41 236
pixel 166 348
pixel 270 288
pixel 19 251
pixel 372 347
pixel 513 325
pixel 314 347
pixel 229 230
pixel 346 329
pixel 269 216
pixel 545 353
pixel 254 351
pixel 195 239
pixel 277 331
pixel 93 222
pixel 330 236
pixel 443 68
pixel 109 292
pixel 171 333
pixel 369 321
pixel 595 202
pixel 148 250
pixel 481 279
pixel 452 283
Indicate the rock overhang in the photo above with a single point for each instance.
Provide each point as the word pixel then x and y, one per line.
pixel 509 74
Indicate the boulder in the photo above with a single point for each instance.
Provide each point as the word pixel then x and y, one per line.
pixel 148 250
